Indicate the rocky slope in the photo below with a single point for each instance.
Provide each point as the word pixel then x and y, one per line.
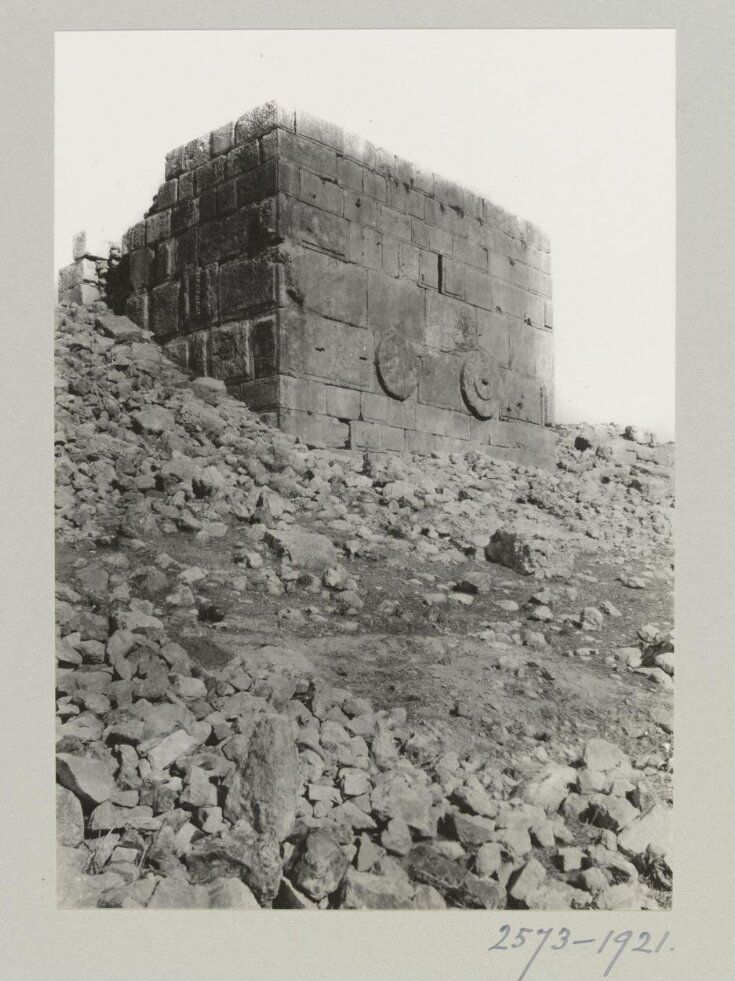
pixel 305 679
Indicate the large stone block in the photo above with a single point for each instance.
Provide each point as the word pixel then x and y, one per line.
pixel 494 336
pixel 321 193
pixel 157 227
pixel 247 284
pixel 451 325
pixel 442 422
pixel 328 286
pixel 264 348
pixel 376 436
pixel 259 394
pixel 256 122
pixel 309 154
pixel 313 226
pixel 199 354
pixel 396 305
pixel 439 381
pixel 532 351
pixel 199 303
pixel 258 183
pixel 141 268
pixel 224 238
pixel 137 308
pixel 380 408
pixel 522 398
pixel 80 271
pixel 230 352
pixel 519 303
pixel 165 309
pixel 315 430
pixel 328 350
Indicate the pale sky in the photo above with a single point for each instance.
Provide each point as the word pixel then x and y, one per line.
pixel 571 129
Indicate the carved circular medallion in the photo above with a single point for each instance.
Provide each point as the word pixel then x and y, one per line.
pixel 397 365
pixel 482 384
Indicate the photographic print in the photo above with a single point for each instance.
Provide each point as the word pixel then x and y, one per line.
pixel 364 456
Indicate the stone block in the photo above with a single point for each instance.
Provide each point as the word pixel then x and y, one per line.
pixel 449 193
pixel 442 422
pixel 178 352
pixel 397 194
pixel 157 227
pixel 441 240
pixel 452 278
pixel 207 205
pixel 420 234
pixel 342 403
pixel 375 185
pixel 451 325
pixel 288 177
pixel 408 261
pixel 163 263
pixel 522 398
pixel 226 197
pixel 365 246
pixel 166 195
pixel 258 183
pixel 264 348
pixel 186 251
pixel 141 268
pixel 392 222
pixel 174 162
pixel 415 204
pixel 518 303
pixel 328 350
pixel 479 288
pixel 184 215
pixel 197 152
pixel 322 194
pixel 79 271
pixel 259 121
pixel 247 284
pixel 186 186
pixel 137 309
pixel 548 314
pixel 209 174
pixel 319 129
pixel 313 226
pixel 429 269
pixel 532 351
pixel 165 309
pixel 230 352
pixel 328 286
pixel 79 245
pixel 349 173
pixel 199 300
pixel 380 408
pixel 84 293
pixel 199 354
pixel 470 253
pixel 303 395
pixel 243 158
pixel 308 154
pixel 375 436
pixel 358 207
pixel 224 238
pixel 259 394
pixel 315 430
pixel 394 304
pixel 494 335
pixel 222 139
pixel 391 256
pixel 439 381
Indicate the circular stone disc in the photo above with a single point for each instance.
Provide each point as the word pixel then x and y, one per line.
pixel 397 366
pixel 482 384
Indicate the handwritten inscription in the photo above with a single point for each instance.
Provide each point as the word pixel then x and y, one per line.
pixel 611 947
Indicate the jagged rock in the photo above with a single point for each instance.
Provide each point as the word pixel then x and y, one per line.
pixel 69 818
pixel 395 795
pixel 318 864
pixel 305 550
pixel 89 779
pixel 652 829
pixel 265 786
pixel 229 893
pixel 363 890
pixel 240 853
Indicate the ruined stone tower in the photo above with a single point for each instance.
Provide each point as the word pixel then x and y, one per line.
pixel 350 297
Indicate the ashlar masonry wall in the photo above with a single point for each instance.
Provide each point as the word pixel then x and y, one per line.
pixel 350 297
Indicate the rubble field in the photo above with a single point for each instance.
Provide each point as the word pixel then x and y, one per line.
pixel 299 678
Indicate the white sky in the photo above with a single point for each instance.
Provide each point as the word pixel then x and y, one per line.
pixel 571 129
